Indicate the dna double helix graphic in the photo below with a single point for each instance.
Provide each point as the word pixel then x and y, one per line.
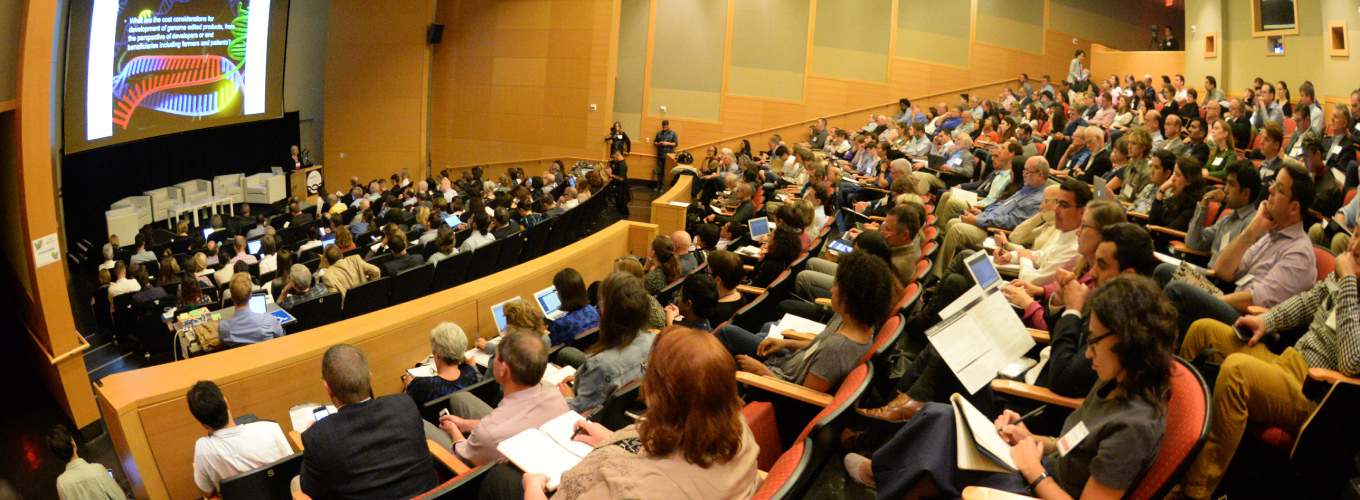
pixel 197 86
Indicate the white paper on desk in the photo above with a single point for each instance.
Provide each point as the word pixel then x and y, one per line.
pixel 481 357
pixel 680 204
pixel 547 450
pixel 423 371
pixel 795 323
pixel 981 340
pixel 989 244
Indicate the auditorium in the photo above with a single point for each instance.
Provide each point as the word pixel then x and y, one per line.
pixel 679 249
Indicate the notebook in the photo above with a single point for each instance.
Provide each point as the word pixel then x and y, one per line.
pixel 980 446
pixel 795 323
pixel 1186 272
pixel 1102 192
pixel 548 449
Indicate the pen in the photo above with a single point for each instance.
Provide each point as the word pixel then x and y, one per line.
pixel 577 432
pixel 1017 421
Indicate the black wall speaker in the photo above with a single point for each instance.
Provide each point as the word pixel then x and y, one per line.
pixel 434 34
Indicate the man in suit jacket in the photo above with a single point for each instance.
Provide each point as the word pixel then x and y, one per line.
pixel 401 259
pixel 299 217
pixel 370 448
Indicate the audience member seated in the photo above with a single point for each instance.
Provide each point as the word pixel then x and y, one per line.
pixel 694 303
pixel 191 297
pixel 1237 200
pixel 520 316
pixel 1224 150
pixel 745 209
pixel 682 243
pixel 141 255
pixel 616 358
pixel 727 271
pixel 1132 331
pixel 1160 167
pixel 229 449
pixel 371 448
pixel 1025 295
pixel 475 429
pixel 242 255
pixel 1174 205
pixel 863 297
pixel 1257 386
pixel 401 259
pixel 148 291
pixel 448 347
pixel 693 443
pixel 343 273
pixel 1324 234
pixel 108 257
pixel 1059 251
pixel 776 254
pixel 968 230
pixel 260 224
pixel 656 317
pixel 901 228
pixel 1279 265
pixel 121 282
pixel 578 315
pixel 663 266
pixel 300 287
pixel 481 233
pixel 246 326
pixel 81 480
pixel 1327 191
pixel 444 243
pixel 1272 149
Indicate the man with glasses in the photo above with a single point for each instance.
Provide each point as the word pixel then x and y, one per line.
pixel 968 230
pixel 1271 260
pixel 1039 266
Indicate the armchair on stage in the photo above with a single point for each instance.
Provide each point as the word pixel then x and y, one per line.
pixel 230 185
pixel 127 216
pixel 195 190
pixel 266 188
pixel 163 202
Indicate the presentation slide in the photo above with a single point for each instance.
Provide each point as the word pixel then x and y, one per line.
pixel 143 68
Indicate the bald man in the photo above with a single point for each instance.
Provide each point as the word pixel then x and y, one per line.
pixel 682 241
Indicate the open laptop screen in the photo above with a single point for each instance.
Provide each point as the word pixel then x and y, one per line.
pixel 983 271
pixel 759 227
pixel 548 300
pixel 498 312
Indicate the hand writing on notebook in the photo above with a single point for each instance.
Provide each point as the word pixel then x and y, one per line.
pixel 1012 434
pixel 590 433
pixel 1026 455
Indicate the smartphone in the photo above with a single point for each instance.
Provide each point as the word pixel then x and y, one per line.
pixel 320 413
pixel 1243 332
pixel 443 411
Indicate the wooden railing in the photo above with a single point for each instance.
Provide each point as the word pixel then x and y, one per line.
pixel 853 120
pixel 668 210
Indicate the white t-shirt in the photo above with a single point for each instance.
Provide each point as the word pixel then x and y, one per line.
pixel 231 451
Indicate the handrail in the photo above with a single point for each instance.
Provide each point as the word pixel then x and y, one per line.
pixel 847 113
pixel 84 344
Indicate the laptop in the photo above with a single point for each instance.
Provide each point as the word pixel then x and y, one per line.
pixel 276 170
pixel 548 300
pixel 253 246
pixel 1103 193
pixel 984 273
pixel 498 312
pixel 760 226
pixel 257 304
pixel 934 161
pixel 452 220
pixel 207 231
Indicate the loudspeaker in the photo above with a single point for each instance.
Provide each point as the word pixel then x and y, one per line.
pixel 434 34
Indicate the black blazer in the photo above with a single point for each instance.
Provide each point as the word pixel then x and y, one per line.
pixel 1100 165
pixel 1068 372
pixel 744 212
pixel 370 450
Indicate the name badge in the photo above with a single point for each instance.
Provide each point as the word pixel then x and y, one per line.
pixel 1217 161
pixel 1297 151
pixel 1335 149
pixel 1357 127
pixel 1245 279
pixel 1072 438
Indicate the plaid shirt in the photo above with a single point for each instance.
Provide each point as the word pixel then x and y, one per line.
pixel 1324 346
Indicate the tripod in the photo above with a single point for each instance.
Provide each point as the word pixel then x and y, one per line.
pixel 1153 43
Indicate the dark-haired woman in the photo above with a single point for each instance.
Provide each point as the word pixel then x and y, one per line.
pixel 616 358
pixel 862 296
pixel 783 247
pixel 618 140
pixel 1186 186
pixel 1132 329
pixel 663 267
pixel 575 302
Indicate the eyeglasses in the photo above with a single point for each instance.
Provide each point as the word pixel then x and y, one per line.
pixel 1028 171
pixel 1091 343
pixel 1088 226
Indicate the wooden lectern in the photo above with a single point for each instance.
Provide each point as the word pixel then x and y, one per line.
pixel 297 181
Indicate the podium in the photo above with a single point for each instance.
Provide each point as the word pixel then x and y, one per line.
pixel 298 181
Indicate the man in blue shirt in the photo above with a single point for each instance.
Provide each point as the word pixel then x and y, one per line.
pixel 246 326
pixel 665 144
pixel 969 229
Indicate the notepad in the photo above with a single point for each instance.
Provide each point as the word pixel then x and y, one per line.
pixel 795 323
pixel 980 446
pixel 548 449
pixel 555 375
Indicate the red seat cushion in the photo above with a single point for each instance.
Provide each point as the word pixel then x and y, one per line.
pixel 1184 426
pixel 760 417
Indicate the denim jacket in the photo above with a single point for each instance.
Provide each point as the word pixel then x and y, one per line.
pixel 606 371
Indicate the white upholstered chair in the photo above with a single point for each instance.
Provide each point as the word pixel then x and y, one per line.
pixel 232 185
pixel 195 190
pixel 163 201
pixel 127 216
pixel 266 188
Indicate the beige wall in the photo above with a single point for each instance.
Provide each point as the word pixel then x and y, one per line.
pixel 1118 24
pixel 1206 16
pixel 631 65
pixel 515 80
pixel 377 67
